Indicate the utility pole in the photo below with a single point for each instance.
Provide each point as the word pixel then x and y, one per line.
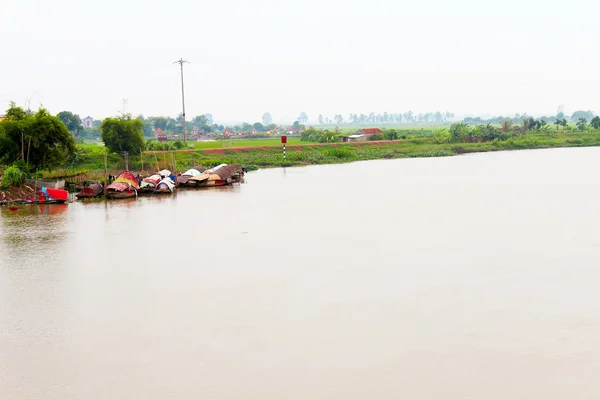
pixel 181 61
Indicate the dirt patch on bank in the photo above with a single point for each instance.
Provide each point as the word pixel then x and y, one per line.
pixel 17 193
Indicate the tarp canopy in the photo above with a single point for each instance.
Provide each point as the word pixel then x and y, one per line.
pixel 166 183
pixel 152 179
pixel 192 172
pixel 126 178
pixel 199 178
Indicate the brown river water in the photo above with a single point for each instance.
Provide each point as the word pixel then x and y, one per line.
pixel 468 277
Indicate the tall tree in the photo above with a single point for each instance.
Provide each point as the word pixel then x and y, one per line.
pixel 320 119
pixel 160 122
pixel 267 119
pixel 595 122
pixel 582 124
pixel 588 115
pixel 303 118
pixel 123 134
pixel 338 119
pixel 259 127
pixel 40 139
pixel 72 121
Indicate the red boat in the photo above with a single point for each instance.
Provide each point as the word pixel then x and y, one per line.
pixel 125 186
pixel 53 196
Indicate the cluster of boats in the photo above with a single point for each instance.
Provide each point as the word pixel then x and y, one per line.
pixel 126 185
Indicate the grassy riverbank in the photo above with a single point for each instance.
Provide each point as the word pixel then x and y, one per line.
pixel 91 159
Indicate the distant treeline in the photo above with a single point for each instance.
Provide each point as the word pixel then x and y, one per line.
pixel 518 118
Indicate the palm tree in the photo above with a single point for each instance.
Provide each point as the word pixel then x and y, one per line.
pixel 506 124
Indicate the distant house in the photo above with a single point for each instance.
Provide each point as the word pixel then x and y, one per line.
pixel 368 131
pixel 87 122
pixel 160 136
pixel 361 135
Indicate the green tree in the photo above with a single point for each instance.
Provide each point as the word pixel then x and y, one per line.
pixel 160 122
pixel 582 114
pixel 310 135
pixel 123 134
pixel 391 134
pixel 72 121
pixel 506 124
pixel 267 119
pixel 259 127
pixel 458 131
pixel 595 122
pixel 582 124
pixel 296 125
pixel 303 118
pixel 328 137
pixel 320 119
pixel 39 140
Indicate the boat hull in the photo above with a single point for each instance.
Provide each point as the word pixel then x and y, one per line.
pixel 120 195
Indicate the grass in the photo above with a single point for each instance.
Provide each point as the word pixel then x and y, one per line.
pixel 220 144
pixel 264 153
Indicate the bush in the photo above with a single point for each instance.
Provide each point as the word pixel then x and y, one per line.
pixel 178 144
pixel 339 154
pixel 391 134
pixel 13 176
pixel 376 136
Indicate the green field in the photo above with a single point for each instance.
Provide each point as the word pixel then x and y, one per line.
pixel 265 153
pixel 221 144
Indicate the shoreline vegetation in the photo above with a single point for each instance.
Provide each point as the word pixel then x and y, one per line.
pixel 90 162
pixel 37 145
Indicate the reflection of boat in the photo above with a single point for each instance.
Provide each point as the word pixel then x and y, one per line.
pixel 94 190
pixel 165 186
pixel 53 209
pixel 125 186
pixel 149 184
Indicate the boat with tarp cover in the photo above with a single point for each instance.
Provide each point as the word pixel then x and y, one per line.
pixel 124 187
pixel 221 175
pixel 89 192
pixel 165 186
pixel 149 184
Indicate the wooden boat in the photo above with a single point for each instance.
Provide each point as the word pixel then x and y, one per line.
pixel 221 175
pixel 149 184
pixel 165 186
pixel 52 196
pixel 94 190
pixel 124 187
pixel 183 179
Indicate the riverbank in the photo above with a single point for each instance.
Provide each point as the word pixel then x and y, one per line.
pixel 91 160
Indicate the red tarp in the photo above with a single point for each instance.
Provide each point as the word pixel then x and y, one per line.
pixel 126 178
pixel 58 194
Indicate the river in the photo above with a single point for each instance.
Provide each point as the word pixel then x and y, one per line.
pixel 468 277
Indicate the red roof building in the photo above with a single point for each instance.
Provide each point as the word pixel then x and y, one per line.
pixel 368 131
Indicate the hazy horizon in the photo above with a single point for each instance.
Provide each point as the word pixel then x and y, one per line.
pixel 318 57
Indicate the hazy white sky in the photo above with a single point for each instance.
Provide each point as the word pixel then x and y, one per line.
pixel 470 57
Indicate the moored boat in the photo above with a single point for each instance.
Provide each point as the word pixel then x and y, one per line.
pixel 165 186
pixel 94 190
pixel 125 186
pixel 52 196
pixel 149 184
pixel 221 175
